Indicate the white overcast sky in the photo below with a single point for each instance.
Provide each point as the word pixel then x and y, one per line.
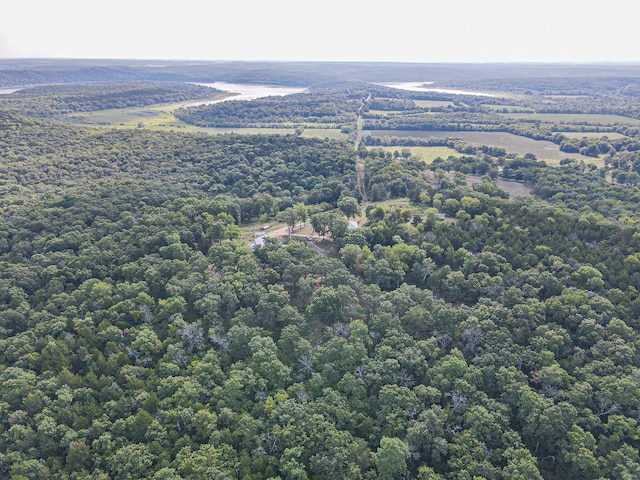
pixel 326 30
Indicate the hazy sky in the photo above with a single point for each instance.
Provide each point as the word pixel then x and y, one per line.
pixel 341 30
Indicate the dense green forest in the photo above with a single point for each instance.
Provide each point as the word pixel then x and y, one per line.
pixel 56 100
pixel 460 333
pixel 339 107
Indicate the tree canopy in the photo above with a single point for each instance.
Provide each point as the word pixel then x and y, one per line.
pixel 461 332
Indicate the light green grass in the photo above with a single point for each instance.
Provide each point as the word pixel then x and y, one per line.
pixel 161 118
pixel 542 149
pixel 396 202
pixel 579 118
pixel 433 103
pixel 276 130
pixel 384 113
pixel 610 135
pixel 598 162
pixel 155 117
pixel 157 114
pixel 250 131
pixel 428 154
pixel 332 133
pixel 512 108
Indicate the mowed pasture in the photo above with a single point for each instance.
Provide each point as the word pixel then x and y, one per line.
pixel 510 108
pixel 161 118
pixel 384 113
pixel 332 133
pixel 427 154
pixel 542 149
pixel 433 103
pixel 156 117
pixel 610 135
pixel 577 118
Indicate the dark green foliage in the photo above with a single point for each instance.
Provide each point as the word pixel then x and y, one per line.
pixel 139 338
pixel 257 171
pixel 316 107
pixel 57 100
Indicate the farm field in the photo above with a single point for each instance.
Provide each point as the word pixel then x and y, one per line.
pixel 580 118
pixel 543 150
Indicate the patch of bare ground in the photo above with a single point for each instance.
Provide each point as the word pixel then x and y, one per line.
pixel 512 187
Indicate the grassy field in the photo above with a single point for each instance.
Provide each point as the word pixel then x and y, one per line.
pixel 428 154
pixel 250 131
pixel 433 103
pixel 610 135
pixel 394 203
pixel 156 117
pixel 332 133
pixel 384 113
pixel 579 118
pixel 160 117
pixel 512 108
pixel 513 188
pixel 324 133
pixel 543 150
pixel 565 96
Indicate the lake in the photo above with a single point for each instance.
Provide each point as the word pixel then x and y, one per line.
pixel 248 91
pixel 421 87
pixel 7 91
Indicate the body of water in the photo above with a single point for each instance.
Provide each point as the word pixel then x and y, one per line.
pixel 7 91
pixel 248 91
pixel 424 87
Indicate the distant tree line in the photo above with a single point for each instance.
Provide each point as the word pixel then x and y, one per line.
pixel 57 100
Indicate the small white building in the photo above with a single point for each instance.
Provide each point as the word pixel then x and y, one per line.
pixel 258 242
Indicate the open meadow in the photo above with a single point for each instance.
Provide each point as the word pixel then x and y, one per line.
pixel 427 154
pixel 433 103
pixel 512 187
pixel 577 118
pixel 161 118
pixel 542 149
pixel 609 135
